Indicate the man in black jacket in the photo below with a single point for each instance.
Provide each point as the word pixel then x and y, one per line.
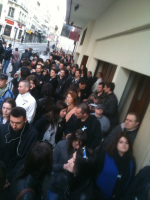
pixel 53 78
pixel 111 104
pixel 16 139
pixel 82 119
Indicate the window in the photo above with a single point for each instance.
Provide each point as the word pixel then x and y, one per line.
pixel 7 30
pixel 19 16
pixel 11 12
pixel 83 36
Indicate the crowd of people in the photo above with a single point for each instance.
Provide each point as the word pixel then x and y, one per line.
pixel 61 123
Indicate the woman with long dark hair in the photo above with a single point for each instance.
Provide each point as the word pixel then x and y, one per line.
pixel 63 151
pixel 33 86
pixel 51 126
pixel 7 106
pixel 116 168
pixel 83 168
pixel 38 163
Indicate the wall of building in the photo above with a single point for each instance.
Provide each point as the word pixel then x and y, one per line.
pixel 66 44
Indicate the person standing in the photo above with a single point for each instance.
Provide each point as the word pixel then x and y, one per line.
pixel 1 51
pixel 26 100
pixel 8 55
pixel 4 89
pixel 15 57
pixel 22 38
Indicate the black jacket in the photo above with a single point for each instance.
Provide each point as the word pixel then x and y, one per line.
pixel 43 124
pixel 60 88
pixel 25 55
pixel 54 82
pixel 93 129
pixel 16 67
pixel 14 146
pixel 111 109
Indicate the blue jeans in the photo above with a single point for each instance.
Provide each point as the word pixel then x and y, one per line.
pixel 52 196
pixel 5 65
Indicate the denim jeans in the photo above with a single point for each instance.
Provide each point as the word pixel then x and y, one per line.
pixel 5 65
pixel 52 196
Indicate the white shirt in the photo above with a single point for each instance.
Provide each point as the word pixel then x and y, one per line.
pixel 27 102
pixel 94 87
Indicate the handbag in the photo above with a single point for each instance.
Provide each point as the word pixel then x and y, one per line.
pixel 23 192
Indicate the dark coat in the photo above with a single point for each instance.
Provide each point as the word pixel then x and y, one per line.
pixel 14 146
pixel 25 55
pixel 43 124
pixel 60 88
pixel 54 82
pixel 16 67
pixel 111 109
pixel 93 129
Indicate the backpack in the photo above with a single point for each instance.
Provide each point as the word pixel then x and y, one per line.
pixel 4 55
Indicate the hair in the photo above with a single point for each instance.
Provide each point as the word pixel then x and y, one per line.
pixel 39 160
pixel 84 108
pixel 83 81
pixel 74 87
pixel 39 65
pixel 10 45
pixel 136 116
pixel 12 102
pixel 30 49
pixel 35 55
pixel 24 72
pixel 26 63
pixel 79 70
pixel 26 50
pixel 40 60
pixel 18 112
pixel 100 74
pixel 74 96
pixel 85 167
pixel 53 116
pixel 16 49
pixel 112 147
pixel 26 83
pixel 47 89
pixel 55 70
pixel 110 85
pixel 32 78
pixel 102 83
pixel 90 72
pixel 78 135
pixel 2 175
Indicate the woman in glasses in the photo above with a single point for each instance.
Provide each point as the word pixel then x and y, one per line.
pixel 62 153
pixel 116 168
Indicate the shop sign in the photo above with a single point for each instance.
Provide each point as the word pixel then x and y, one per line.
pixel 20 25
pixel 9 22
pixel 28 31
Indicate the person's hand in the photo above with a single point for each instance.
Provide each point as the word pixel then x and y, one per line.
pixel 68 135
pixel 15 75
pixel 33 70
pixel 40 82
pixel 65 167
pixel 95 100
pixel 84 100
pixel 79 94
pixel 92 98
pixel 7 184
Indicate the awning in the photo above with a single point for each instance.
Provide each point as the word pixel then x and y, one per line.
pixel 28 31
pixel 9 21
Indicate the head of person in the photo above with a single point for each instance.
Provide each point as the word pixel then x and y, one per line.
pixel 3 80
pixel 34 61
pixel 48 61
pixel 78 73
pixel 36 57
pixel 25 72
pixel 83 163
pixel 62 73
pixel 68 67
pixel 7 105
pixel 30 49
pixel 60 109
pixel 5 43
pixel 61 65
pixel 82 84
pixel 18 118
pixel 33 81
pixel 99 110
pixel 99 75
pixel 77 140
pixel 39 69
pixel 2 175
pixel 89 74
pixel 100 87
pixel 51 57
pixel 72 98
pixel 45 71
pixel 73 70
pixel 23 87
pixel 39 160
pixel 109 87
pixel 47 90
pixel 82 111
pixel 10 45
pixel 72 61
pixel 132 121
pixel 26 50
pixel 121 144
pixel 53 72
pixel 16 49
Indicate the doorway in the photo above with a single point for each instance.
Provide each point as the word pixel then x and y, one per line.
pixel 84 60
